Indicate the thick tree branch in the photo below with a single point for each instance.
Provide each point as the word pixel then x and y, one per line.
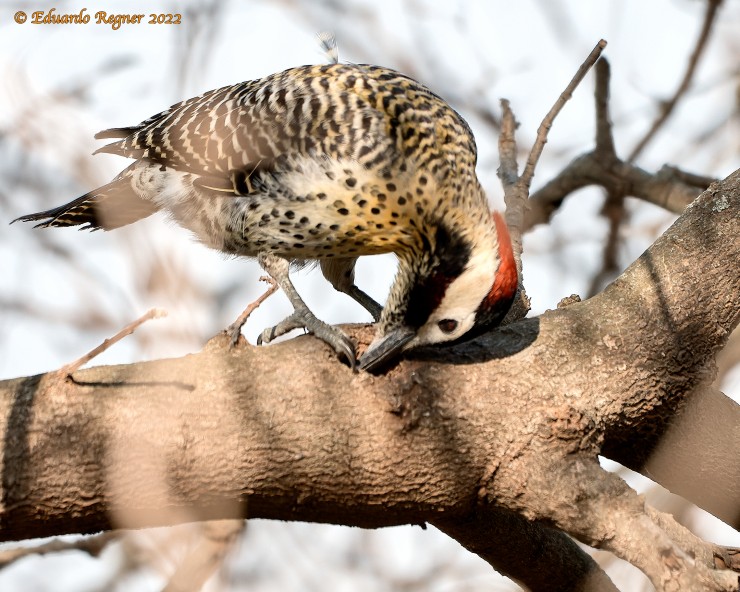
pixel 511 422
pixel 514 545
pixel 690 443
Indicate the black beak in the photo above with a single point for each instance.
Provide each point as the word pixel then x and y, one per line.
pixel 385 349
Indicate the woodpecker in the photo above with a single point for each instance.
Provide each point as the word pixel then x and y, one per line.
pixel 324 163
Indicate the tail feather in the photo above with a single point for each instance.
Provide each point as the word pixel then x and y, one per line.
pixel 123 146
pixel 108 207
pixel 117 132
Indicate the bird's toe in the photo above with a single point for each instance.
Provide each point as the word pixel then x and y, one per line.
pixel 304 319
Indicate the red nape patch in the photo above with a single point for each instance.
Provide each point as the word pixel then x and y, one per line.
pixel 506 281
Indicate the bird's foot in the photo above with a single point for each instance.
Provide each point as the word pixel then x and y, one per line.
pixel 305 319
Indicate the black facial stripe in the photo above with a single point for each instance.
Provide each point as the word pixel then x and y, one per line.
pixel 424 298
pixel 447 262
pixel 453 252
pixel 487 317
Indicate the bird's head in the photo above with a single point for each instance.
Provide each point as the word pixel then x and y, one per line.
pixel 457 287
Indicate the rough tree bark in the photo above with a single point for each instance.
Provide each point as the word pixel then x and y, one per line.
pixel 494 441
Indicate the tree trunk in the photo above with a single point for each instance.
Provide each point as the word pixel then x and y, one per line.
pixel 497 438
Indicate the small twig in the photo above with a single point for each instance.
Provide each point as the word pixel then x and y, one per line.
pixel 605 154
pixel 69 369
pixel 508 169
pixel 667 107
pixel 615 212
pixel 235 329
pixel 217 538
pixel 516 188
pixel 605 149
pixel 546 124
pixel 92 545
pixel 515 197
pixel 669 172
pixel 669 188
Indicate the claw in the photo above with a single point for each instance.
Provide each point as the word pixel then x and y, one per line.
pixel 337 339
pixel 304 319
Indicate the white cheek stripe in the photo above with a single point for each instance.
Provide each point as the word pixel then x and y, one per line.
pixel 461 300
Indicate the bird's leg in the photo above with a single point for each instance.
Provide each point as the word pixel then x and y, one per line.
pixel 302 317
pixel 341 274
pixel 366 301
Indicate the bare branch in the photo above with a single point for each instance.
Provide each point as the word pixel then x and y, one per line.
pixel 515 197
pixel 712 556
pixel 69 369
pixel 669 188
pixel 667 107
pixel 659 188
pixel 217 538
pixel 546 124
pixel 691 179
pixel 616 214
pixel 604 138
pixel 235 329
pixel 92 545
pixel 508 169
pixel 516 188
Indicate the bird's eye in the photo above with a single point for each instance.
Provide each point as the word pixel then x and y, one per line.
pixel 447 325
